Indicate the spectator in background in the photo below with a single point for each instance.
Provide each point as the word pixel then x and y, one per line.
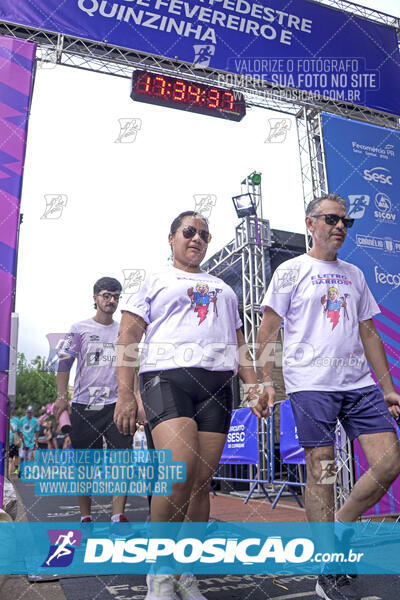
pixel 61 440
pixel 51 434
pixel 42 437
pixel 28 429
pixel 14 444
pixel 92 344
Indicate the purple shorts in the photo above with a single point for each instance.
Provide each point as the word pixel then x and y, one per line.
pixel 359 411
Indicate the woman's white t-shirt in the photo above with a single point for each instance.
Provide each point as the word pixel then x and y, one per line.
pixel 191 319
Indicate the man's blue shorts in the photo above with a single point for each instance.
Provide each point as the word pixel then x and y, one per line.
pixel 359 411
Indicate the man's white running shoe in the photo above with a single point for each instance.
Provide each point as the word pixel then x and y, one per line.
pixel 161 587
pixel 188 589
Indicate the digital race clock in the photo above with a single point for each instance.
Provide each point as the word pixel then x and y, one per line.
pixel 176 92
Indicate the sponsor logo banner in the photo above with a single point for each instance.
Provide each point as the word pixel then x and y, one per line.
pixel 293 46
pixel 362 166
pixel 218 547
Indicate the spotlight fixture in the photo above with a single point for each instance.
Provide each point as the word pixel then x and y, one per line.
pixel 244 205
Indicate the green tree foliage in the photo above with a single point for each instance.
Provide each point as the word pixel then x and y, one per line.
pixel 34 385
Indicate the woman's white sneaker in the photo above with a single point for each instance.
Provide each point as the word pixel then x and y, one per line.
pixel 188 589
pixel 161 587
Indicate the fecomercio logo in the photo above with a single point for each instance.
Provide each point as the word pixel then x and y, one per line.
pixel 387 278
pixel 191 550
pixel 387 152
pixel 63 543
pixel 378 175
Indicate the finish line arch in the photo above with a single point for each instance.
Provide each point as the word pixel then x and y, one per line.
pixel 101 56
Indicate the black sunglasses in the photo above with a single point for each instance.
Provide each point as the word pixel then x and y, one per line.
pixel 334 220
pixel 108 296
pixel 190 231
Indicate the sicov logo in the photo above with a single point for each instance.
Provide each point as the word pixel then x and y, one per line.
pixel 384 208
pixel 378 175
pixel 62 547
pixel 382 201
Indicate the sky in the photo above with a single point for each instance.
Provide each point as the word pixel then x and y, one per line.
pixel 120 198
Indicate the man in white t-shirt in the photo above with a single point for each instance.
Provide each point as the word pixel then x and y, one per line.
pixel 92 343
pixel 329 336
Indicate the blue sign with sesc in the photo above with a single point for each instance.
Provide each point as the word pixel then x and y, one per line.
pixel 362 166
pixel 241 446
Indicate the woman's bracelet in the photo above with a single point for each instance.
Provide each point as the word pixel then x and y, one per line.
pixel 267 383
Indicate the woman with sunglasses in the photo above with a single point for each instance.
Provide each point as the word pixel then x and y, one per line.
pixel 192 333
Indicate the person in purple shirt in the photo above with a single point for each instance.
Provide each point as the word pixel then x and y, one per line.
pixel 92 343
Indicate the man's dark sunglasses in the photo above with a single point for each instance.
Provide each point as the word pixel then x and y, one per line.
pixel 107 296
pixel 334 220
pixel 190 231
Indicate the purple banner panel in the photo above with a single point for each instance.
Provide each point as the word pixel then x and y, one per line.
pixel 16 77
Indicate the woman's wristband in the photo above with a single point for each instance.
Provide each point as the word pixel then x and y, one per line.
pixel 267 383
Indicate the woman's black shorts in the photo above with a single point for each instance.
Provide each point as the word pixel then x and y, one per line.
pixel 203 395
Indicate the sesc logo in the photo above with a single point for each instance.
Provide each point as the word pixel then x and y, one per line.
pixel 378 175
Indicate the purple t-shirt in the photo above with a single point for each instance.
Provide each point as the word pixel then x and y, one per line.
pixel 191 319
pixel 322 304
pixel 94 347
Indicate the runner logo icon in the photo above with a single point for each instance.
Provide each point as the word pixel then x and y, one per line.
pixel 63 543
pixel 203 54
pixel 357 205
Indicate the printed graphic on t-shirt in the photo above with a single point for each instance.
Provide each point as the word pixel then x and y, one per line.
pixel 332 305
pixel 202 298
pixel 99 355
pixel 335 298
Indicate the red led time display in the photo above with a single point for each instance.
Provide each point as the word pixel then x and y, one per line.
pixel 176 92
